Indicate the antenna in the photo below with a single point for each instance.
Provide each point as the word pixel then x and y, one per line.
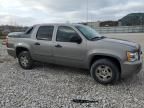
pixel 87 10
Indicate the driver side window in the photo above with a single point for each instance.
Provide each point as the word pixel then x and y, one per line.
pixel 65 34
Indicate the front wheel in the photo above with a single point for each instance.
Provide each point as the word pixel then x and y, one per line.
pixel 25 60
pixel 104 71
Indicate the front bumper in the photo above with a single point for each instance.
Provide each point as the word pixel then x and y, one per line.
pixel 131 68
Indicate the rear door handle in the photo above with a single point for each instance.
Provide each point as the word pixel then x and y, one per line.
pixel 37 43
pixel 58 46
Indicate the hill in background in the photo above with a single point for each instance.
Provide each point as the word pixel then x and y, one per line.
pixel 132 19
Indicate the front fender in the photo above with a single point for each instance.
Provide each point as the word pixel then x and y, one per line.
pixel 22 45
pixel 120 56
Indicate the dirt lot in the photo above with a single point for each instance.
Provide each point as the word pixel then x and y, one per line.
pixel 52 86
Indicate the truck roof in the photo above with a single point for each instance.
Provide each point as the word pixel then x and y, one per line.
pixel 59 24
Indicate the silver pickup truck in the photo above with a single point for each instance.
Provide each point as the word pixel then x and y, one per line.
pixel 79 46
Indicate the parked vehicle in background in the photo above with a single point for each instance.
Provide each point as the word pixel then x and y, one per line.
pixel 79 46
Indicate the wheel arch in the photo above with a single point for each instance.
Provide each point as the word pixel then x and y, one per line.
pixel 114 59
pixel 19 49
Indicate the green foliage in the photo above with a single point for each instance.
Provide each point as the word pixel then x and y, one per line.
pixel 108 23
pixel 0 35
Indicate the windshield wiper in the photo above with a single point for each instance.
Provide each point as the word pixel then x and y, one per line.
pixel 98 38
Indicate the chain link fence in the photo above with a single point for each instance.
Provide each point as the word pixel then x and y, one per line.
pixel 120 29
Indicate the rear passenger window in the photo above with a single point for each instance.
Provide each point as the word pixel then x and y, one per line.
pixel 45 33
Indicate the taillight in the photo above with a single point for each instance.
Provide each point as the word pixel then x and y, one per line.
pixel 6 40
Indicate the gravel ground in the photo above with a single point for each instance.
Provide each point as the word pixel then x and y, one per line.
pixel 52 86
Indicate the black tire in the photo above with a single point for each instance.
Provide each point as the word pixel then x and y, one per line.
pixel 25 55
pixel 112 74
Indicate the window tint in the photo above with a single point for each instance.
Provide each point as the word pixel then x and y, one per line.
pixel 45 33
pixel 65 34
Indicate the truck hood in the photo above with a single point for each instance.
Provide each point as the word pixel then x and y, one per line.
pixel 123 42
pixel 15 34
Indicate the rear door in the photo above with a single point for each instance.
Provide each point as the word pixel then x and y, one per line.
pixel 42 47
pixel 67 52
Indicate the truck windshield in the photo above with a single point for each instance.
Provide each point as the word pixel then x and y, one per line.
pixel 88 32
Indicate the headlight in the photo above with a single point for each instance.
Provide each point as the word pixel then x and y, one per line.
pixel 132 56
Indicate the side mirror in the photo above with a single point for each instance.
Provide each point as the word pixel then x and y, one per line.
pixel 76 39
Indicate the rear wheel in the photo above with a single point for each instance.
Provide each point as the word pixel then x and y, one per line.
pixel 104 71
pixel 25 60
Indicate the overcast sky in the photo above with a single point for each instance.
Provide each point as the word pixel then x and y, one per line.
pixel 29 12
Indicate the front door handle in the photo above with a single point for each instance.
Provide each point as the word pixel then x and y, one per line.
pixel 37 43
pixel 58 46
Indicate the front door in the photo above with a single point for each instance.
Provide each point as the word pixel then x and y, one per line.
pixel 67 52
